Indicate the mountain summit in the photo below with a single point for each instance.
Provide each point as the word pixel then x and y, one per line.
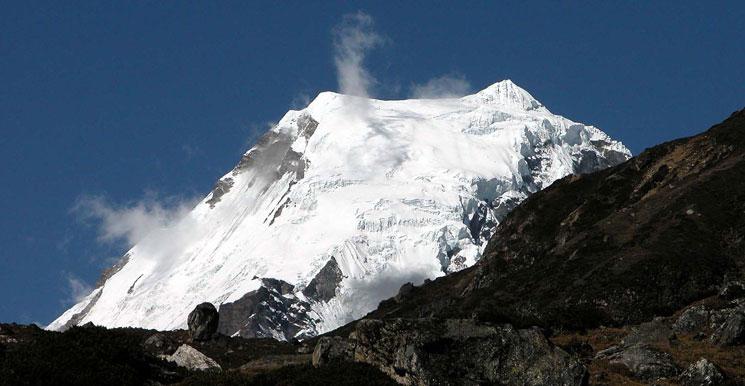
pixel 340 204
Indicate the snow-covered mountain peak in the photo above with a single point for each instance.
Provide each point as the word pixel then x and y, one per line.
pixel 342 202
pixel 508 94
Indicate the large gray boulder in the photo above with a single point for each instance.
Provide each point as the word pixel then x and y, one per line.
pixel 643 361
pixel 454 351
pixel 203 322
pixel 693 320
pixel 190 358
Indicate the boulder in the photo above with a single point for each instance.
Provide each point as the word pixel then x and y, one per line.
pixel 190 358
pixel 692 320
pixel 203 322
pixel 656 331
pixel 732 331
pixel 160 344
pixel 437 351
pixel 702 373
pixel 642 361
pixel 732 290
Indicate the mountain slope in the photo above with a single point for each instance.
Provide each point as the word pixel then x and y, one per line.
pixel 616 247
pixel 339 204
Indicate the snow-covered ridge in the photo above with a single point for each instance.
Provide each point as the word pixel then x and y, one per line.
pixel 340 204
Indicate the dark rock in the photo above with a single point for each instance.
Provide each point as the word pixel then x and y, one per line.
pixel 221 188
pixel 656 331
pixel 271 311
pixel 160 344
pixel 203 322
pixel 276 285
pixel 702 373
pixel 324 284
pixel 432 351
pixel 732 331
pixel 75 319
pixel 332 349
pixel 732 290
pixel 111 271
pixel 88 325
pixel 404 291
pixel 692 320
pixel 643 361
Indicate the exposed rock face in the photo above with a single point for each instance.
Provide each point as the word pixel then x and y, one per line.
pixel 643 361
pixel 656 331
pixel 637 353
pixel 223 186
pixel 272 311
pixel 332 349
pixel 404 291
pixel 692 320
pixel 702 373
pixel 190 358
pixel 324 284
pixel 732 331
pixel 453 351
pixel 203 322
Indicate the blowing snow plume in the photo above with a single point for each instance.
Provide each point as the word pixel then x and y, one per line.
pixel 354 37
pixel 446 86
pixel 130 223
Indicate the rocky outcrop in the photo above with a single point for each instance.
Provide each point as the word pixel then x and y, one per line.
pixel 453 351
pixel 404 291
pixel 203 322
pixel 221 188
pixel 732 331
pixel 160 344
pixel 732 290
pixel 331 349
pixel 271 311
pixel 323 286
pixel 641 360
pixel 702 373
pixel 638 354
pixel 190 358
pixel 692 320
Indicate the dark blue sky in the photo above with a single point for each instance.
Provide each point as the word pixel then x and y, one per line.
pixel 161 98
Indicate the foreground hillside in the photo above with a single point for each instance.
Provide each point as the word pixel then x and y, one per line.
pixel 92 355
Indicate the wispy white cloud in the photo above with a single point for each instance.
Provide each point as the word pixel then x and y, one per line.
pixel 77 289
pixel 354 37
pixel 133 222
pixel 446 86
pixel 300 101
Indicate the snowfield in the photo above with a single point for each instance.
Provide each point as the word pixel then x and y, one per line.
pixel 393 191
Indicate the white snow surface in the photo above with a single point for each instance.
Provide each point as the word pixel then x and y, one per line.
pixel 388 188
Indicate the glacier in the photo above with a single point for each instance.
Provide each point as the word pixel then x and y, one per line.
pixel 341 203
